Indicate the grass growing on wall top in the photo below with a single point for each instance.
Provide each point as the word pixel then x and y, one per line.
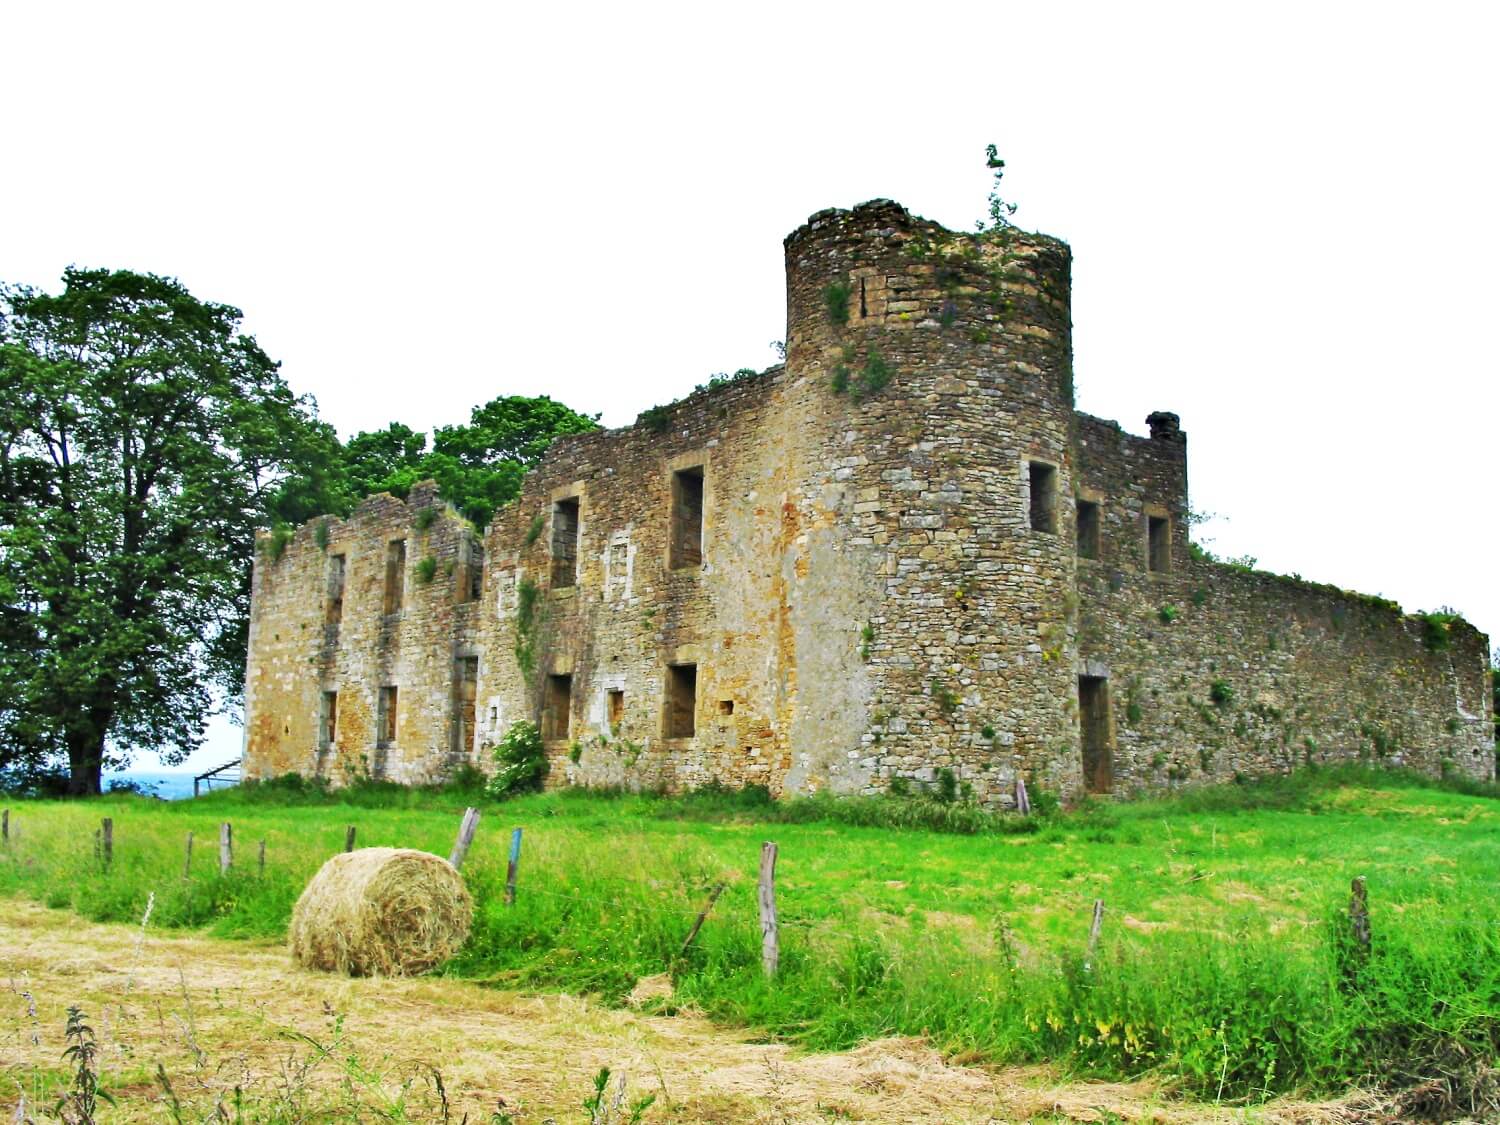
pixel 1221 961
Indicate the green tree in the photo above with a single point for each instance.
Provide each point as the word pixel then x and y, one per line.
pixel 1495 698
pixel 478 467
pixel 384 460
pixel 511 428
pixel 143 438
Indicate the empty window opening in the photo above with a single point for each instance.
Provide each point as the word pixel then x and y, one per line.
pixel 334 612
pixel 465 690
pixel 471 574
pixel 682 700
pixel 687 517
pixel 558 711
pixel 726 707
pixel 395 575
pixel 1159 543
pixel 1043 478
pixel 328 721
pixel 1088 529
pixel 565 542
pixel 614 710
pixel 1093 712
pixel 385 719
pixel 864 306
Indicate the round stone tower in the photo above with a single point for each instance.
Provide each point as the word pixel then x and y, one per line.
pixel 946 363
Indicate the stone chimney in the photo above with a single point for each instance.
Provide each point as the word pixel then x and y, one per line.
pixel 1165 426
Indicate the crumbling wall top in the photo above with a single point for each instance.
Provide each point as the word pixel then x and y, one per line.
pixel 885 218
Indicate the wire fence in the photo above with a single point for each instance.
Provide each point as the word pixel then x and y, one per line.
pixel 1139 919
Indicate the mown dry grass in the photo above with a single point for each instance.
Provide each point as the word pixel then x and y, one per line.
pixel 1226 965
pixel 219 1015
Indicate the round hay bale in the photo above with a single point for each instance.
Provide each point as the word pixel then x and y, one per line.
pixel 381 911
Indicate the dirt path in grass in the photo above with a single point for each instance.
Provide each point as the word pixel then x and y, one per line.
pixel 217 1015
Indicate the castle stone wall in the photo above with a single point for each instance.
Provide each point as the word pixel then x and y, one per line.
pixel 909 554
pixel 769 618
pixel 1306 674
pixel 296 655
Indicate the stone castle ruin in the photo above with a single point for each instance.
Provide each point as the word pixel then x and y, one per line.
pixel 902 552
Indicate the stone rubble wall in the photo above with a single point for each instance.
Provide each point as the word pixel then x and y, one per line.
pixel 970 647
pixel 873 600
pixel 1310 674
pixel 770 617
pixel 295 656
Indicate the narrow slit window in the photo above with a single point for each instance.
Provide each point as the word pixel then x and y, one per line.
pixel 328 727
pixel 385 724
pixel 565 543
pixel 557 715
pixel 687 518
pixel 334 612
pixel 1159 543
pixel 1088 529
pixel 682 700
pixel 465 692
pixel 615 710
pixel 1043 499
pixel 395 575
pixel 470 574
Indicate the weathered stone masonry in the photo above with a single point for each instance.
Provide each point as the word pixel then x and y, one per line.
pixel 319 662
pixel 775 582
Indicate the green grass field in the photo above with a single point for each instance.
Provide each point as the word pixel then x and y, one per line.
pixel 1223 965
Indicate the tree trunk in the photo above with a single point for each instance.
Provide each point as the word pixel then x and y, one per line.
pixel 85 759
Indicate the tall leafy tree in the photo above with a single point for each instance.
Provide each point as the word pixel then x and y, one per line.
pixel 511 428
pixel 143 438
pixel 478 467
pixel 385 460
pixel 1495 697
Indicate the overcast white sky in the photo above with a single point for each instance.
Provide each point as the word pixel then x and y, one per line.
pixel 1283 216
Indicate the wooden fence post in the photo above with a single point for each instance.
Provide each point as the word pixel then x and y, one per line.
pixel 1023 801
pixel 107 840
pixel 187 862
pixel 226 848
pixel 5 825
pixel 770 934
pixel 1359 914
pixel 349 839
pixel 466 829
pixel 511 868
pixel 713 897
pixel 1088 962
pixel 260 866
